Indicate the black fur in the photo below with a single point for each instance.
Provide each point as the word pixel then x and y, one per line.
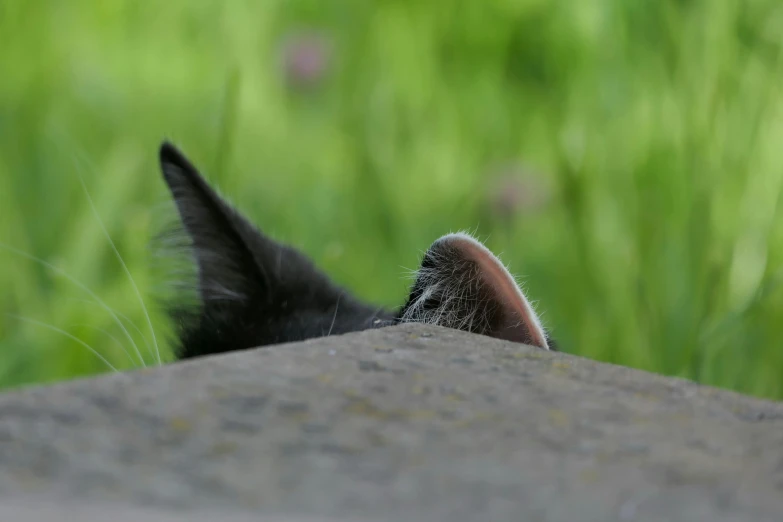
pixel 254 291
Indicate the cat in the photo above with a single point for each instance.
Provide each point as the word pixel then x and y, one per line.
pixel 254 291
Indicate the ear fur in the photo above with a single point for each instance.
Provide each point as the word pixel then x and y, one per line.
pixel 462 285
pixel 220 237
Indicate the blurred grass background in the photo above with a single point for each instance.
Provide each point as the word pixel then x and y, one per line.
pixel 624 157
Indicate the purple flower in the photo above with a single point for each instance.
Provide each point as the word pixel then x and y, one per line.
pixel 306 59
pixel 515 189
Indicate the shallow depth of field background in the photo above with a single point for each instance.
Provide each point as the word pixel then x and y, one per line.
pixel 625 159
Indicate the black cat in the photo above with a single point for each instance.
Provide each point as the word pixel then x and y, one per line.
pixel 254 291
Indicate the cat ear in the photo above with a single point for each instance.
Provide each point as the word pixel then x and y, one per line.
pixel 221 239
pixel 462 285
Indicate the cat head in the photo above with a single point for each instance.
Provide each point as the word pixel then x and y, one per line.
pixel 254 291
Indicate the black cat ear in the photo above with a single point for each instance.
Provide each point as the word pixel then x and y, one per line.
pixel 462 285
pixel 253 290
pixel 222 240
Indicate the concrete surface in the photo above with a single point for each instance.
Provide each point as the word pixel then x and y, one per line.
pixel 405 423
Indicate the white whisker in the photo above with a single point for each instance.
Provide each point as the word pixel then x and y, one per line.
pixel 122 262
pixel 336 306
pixel 124 318
pixel 375 313
pixel 76 282
pixel 108 334
pixel 66 334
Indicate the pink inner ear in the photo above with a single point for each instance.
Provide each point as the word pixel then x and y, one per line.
pixel 519 322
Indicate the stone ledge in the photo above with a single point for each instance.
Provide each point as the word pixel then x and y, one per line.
pixel 403 423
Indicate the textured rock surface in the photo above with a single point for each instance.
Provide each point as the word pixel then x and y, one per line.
pixel 404 423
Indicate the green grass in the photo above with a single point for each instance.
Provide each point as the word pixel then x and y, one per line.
pixel 649 135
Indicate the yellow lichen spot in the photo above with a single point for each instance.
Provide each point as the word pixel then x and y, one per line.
pixel 179 424
pixel 419 390
pixel 558 418
pixel 220 393
pixel 526 355
pixel 481 417
pixel 223 448
pixel 647 396
pixel 588 475
pixel 325 378
pixel 422 414
pixel 365 408
pixel 353 394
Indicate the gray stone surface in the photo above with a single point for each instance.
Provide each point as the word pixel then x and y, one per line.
pixel 404 423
